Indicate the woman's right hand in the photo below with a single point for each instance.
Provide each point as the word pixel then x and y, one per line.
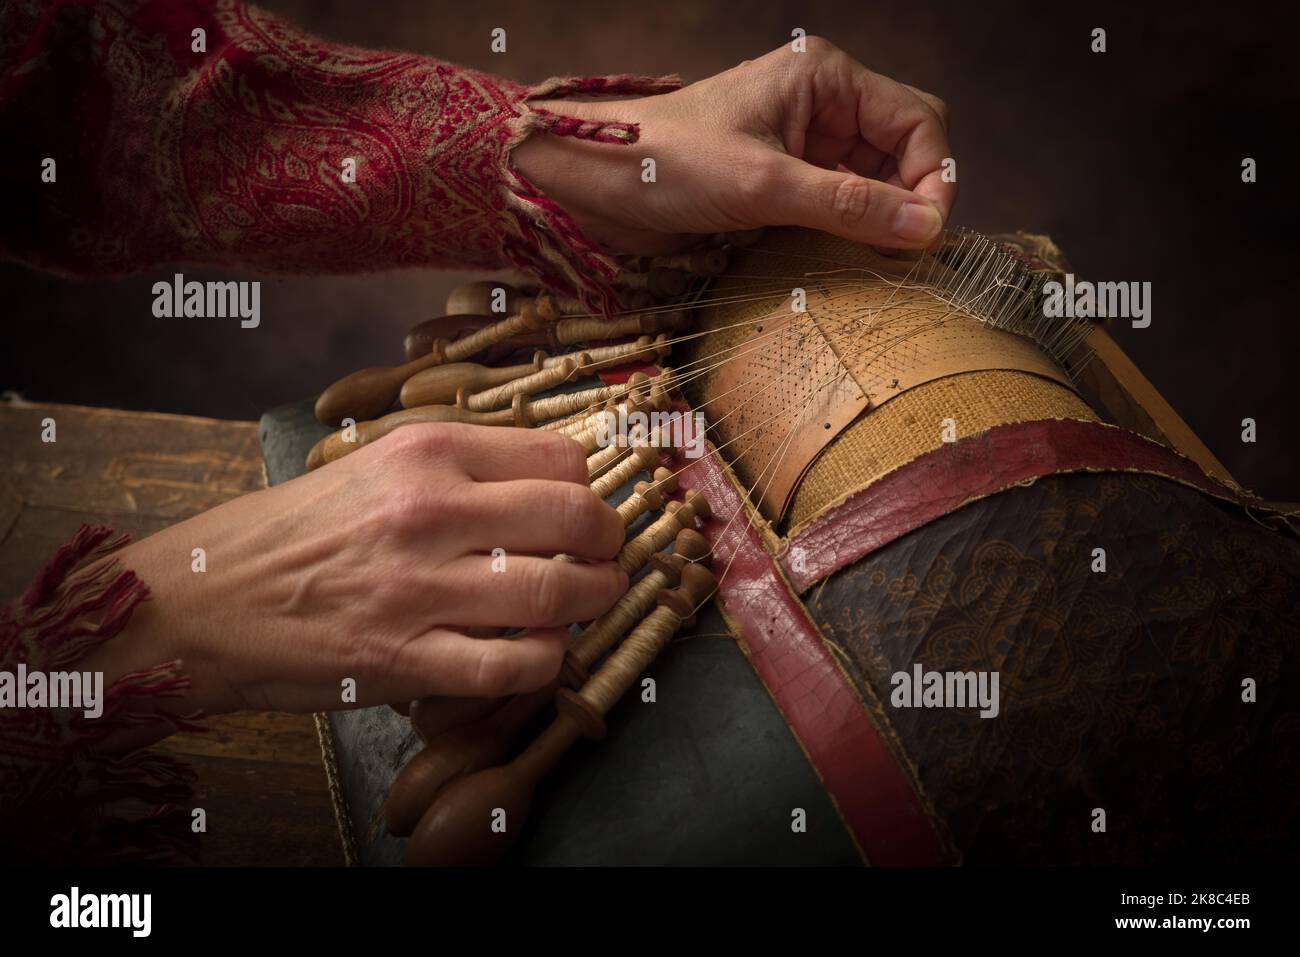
pixel 371 568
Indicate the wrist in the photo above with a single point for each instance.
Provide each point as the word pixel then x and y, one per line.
pixel 596 183
pixel 154 634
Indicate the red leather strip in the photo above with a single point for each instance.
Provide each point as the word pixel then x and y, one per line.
pixel 874 796
pixel 954 475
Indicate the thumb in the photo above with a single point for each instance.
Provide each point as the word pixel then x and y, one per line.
pixel 854 207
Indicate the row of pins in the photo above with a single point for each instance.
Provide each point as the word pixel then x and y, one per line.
pixel 980 277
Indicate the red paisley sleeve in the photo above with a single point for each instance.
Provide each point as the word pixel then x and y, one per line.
pixel 144 132
pixel 133 140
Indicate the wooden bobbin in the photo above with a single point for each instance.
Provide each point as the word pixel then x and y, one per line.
pixel 594 329
pixel 602 460
pixel 419 341
pixel 528 319
pixel 597 432
pixel 647 496
pixel 556 307
pixel 440 384
pixel 457 750
pixel 367 393
pixel 640 393
pixel 644 349
pixel 521 413
pixel 572 402
pixel 336 445
pixel 620 670
pixel 658 281
pixel 540 381
pixel 644 458
pixel 644 498
pixel 467 746
pixel 478 298
pixel 599 427
pixel 457 830
pixel 661 531
pixel 697 262
pixel 431 716
pixel 601 635
pixel 585 419
pixel 568 403
pixel 587 361
pixel 645 394
pixel 481 743
pixel 653 397
pixel 624 469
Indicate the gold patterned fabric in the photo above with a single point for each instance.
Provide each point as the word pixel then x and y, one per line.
pixel 913 424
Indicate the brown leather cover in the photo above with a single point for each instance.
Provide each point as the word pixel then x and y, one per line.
pixel 871 770
pixel 949 477
pixel 1121 689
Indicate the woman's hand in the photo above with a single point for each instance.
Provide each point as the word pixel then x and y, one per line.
pixel 370 568
pixel 806 139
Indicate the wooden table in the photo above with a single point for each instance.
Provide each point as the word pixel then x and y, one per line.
pixel 260 775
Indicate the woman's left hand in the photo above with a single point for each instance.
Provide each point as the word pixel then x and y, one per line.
pixel 809 139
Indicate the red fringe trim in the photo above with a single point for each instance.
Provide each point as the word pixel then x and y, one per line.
pixel 598 131
pixel 546 241
pixel 58 802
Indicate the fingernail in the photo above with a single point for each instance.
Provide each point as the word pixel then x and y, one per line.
pixel 917 223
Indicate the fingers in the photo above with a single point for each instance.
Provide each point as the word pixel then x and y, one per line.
pixel 892 118
pixel 897 120
pixel 855 207
pixel 524 453
pixel 489 453
pixel 865 160
pixel 544 518
pixel 448 662
pixel 933 102
pixel 523 591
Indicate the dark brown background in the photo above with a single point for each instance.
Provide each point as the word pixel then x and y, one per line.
pixel 1130 160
